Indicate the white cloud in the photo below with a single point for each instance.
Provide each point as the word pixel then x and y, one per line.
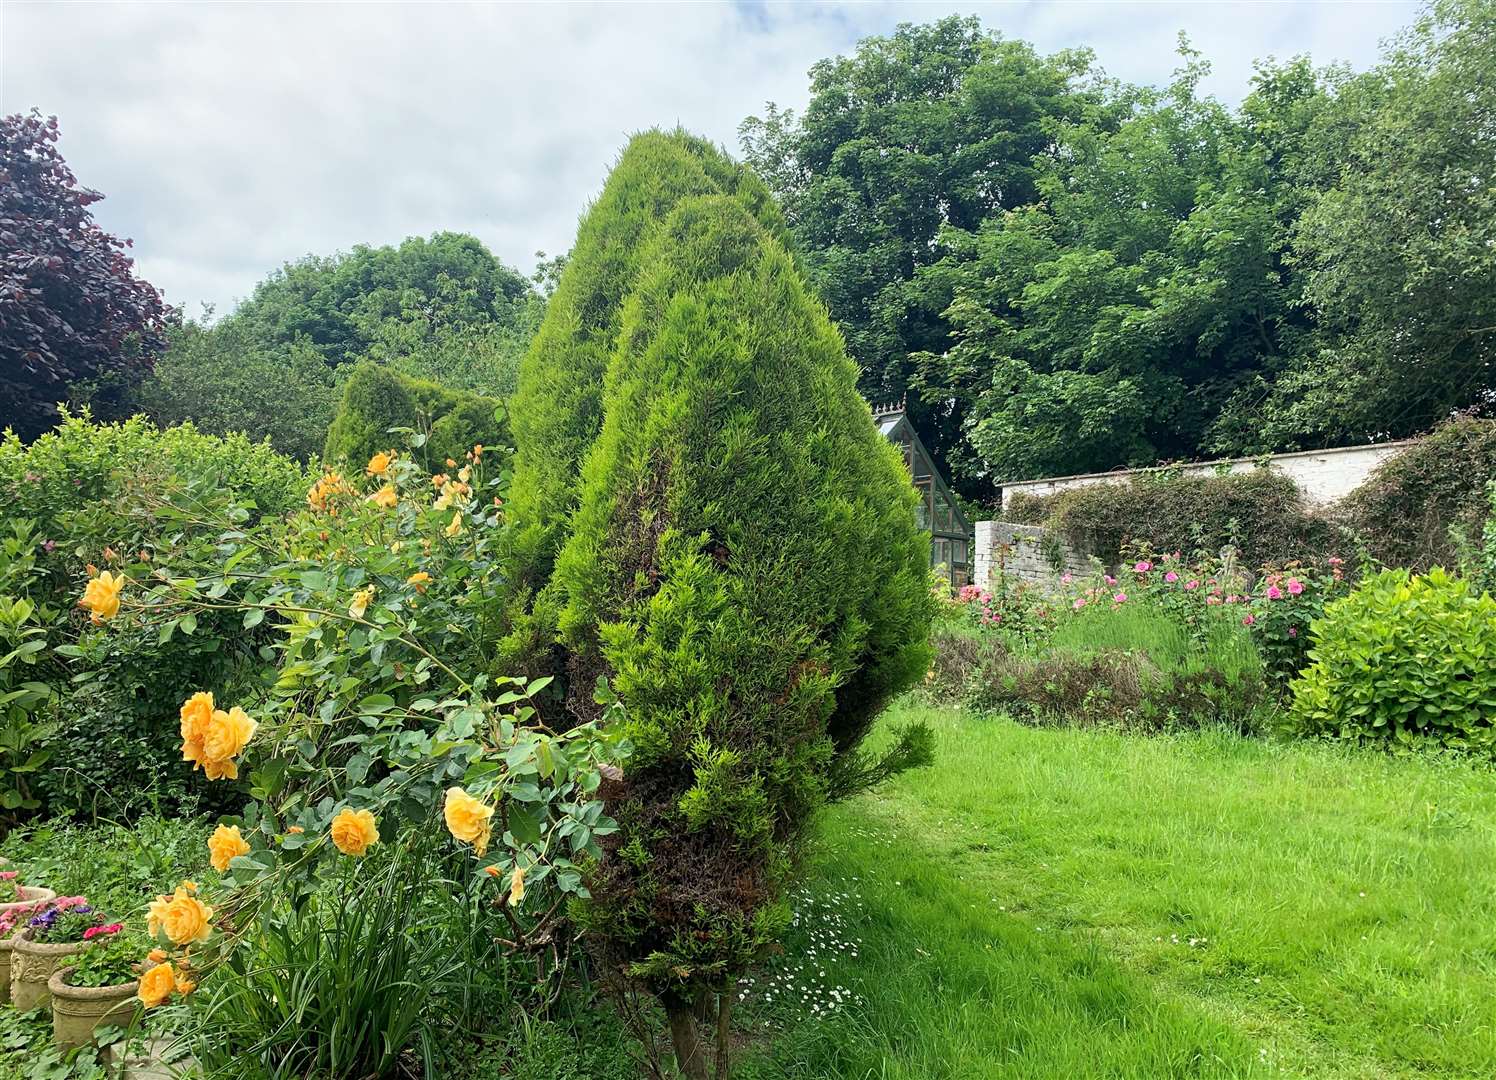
pixel 231 138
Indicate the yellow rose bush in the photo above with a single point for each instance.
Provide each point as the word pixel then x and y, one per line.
pixel 379 725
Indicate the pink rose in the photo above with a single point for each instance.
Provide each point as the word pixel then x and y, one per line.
pixel 1295 586
pixel 1171 577
pixel 1110 580
pixel 1080 602
pixel 1066 580
pixel 1193 583
pixel 1274 593
pixel 1248 619
pixel 1142 566
pixel 1120 598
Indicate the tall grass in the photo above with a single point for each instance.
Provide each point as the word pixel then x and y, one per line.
pixel 1222 643
pixel 392 966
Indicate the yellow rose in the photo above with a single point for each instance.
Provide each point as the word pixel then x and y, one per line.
pixel 517 887
pixel 420 580
pixel 467 819
pixel 184 984
pixel 101 596
pixel 385 498
pixel 455 528
pixel 228 734
pixel 224 844
pixel 156 985
pixel 354 831
pixel 182 917
pixel 361 601
pixel 379 464
pixel 197 717
pixel 438 480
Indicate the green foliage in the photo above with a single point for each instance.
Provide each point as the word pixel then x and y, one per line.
pixel 1074 274
pixel 342 984
pixel 934 127
pixel 441 309
pixel 1398 244
pixel 1404 661
pixel 1427 506
pixel 343 305
pixel 222 379
pixel 448 423
pixel 80 482
pixel 745 568
pixel 1260 512
pixel 557 407
pixel 90 493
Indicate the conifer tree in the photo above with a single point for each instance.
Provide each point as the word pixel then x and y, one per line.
pixel 557 407
pixel 745 568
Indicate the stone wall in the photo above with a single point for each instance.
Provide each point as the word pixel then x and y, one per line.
pixel 1324 476
pixel 1026 554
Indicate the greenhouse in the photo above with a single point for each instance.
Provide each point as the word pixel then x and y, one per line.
pixel 950 532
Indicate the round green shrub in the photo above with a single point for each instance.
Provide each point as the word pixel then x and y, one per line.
pixel 1405 660
pixel 377 398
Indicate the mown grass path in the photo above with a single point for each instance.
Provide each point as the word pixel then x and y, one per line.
pixel 1052 903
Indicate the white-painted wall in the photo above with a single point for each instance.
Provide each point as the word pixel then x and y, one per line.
pixel 1325 476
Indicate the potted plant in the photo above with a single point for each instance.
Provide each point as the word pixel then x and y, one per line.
pixel 100 989
pixel 14 917
pixel 48 939
pixel 14 895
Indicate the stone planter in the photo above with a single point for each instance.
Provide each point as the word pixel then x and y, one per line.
pixel 29 896
pixel 32 964
pixel 79 1011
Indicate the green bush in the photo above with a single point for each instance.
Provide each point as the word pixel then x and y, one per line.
pixel 376 399
pixel 86 488
pixel 745 568
pixel 222 379
pixel 1427 506
pixel 1261 513
pixel 557 405
pixel 1405 660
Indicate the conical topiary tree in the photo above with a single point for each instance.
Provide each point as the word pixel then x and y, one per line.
pixel 557 406
pixel 744 566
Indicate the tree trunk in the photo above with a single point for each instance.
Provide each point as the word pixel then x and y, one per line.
pixel 724 1033
pixel 685 1037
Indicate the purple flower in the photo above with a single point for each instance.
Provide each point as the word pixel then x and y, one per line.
pixel 49 546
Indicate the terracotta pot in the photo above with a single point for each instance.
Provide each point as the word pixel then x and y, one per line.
pixel 29 896
pixel 32 964
pixel 79 1011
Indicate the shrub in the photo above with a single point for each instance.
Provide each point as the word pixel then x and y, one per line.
pixel 76 483
pixel 223 379
pixel 377 399
pixel 557 405
pixel 92 494
pixel 1109 687
pixel 1405 660
pixel 1261 513
pixel 745 568
pixel 1427 505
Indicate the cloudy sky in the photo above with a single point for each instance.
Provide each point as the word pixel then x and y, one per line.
pixel 232 137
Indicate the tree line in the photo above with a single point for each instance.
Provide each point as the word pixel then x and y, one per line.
pixel 1061 272
pixel 1065 273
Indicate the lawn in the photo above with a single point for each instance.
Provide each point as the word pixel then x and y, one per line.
pixel 1063 903
pixel 1068 903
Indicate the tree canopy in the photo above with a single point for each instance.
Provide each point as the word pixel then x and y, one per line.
pixel 1071 274
pixel 71 308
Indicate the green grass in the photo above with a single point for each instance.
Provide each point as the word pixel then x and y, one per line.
pixel 1061 903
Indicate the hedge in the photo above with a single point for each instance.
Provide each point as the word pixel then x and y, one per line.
pixel 377 399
